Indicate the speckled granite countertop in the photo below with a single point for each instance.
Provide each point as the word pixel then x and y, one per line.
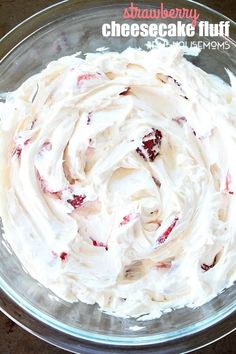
pixel 13 339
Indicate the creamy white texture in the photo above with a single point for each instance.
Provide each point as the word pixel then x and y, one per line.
pixel 118 180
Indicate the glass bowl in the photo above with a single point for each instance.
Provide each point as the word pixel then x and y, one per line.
pixel 63 29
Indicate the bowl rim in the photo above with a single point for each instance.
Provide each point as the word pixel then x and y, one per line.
pixel 23 24
pixel 192 341
pixel 46 319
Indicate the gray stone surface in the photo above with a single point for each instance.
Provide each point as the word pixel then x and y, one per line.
pixel 13 339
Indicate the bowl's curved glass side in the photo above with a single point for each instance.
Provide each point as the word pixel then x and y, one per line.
pixel 76 345
pixel 64 30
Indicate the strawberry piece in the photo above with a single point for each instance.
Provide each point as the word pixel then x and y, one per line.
pixel 63 256
pixel 163 265
pixel 47 146
pixel 27 142
pixel 127 218
pixel 18 149
pixel 180 120
pixel 228 181
pixel 206 267
pixel 161 239
pixel 33 123
pixel 125 92
pixel 44 186
pixel 77 201
pixel 174 80
pixel 156 181
pixel 84 77
pixel 177 84
pixel 89 118
pixel 43 183
pixel 151 143
pixel 99 244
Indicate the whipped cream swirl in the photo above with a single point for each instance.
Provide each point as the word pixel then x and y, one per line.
pixel 118 180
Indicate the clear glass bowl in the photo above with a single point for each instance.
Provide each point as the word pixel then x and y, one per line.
pixel 64 29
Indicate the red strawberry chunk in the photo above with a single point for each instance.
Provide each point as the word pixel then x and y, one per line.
pixel 99 244
pixel 180 120
pixel 47 146
pixel 27 142
pixel 89 118
pixel 42 181
pixel 18 149
pixel 151 144
pixel 77 200
pixel 156 181
pixel 206 267
pixel 228 181
pixel 125 92
pixel 84 77
pixel 161 239
pixel 163 265
pixel 63 256
pixel 174 80
pixel 44 186
pixel 127 218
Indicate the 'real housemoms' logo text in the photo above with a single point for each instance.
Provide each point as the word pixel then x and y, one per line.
pixel 153 29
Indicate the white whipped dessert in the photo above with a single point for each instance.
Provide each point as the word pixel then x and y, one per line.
pixel 118 180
